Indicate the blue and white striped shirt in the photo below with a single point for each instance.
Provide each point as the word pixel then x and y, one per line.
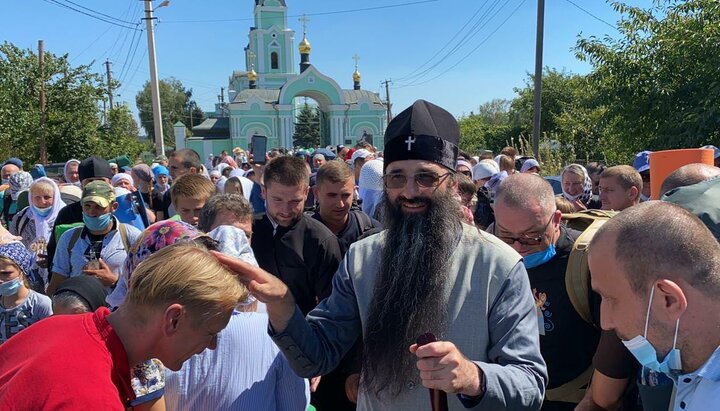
pixel 245 372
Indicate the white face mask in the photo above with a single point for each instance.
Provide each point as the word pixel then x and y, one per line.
pixel 646 354
pixel 570 198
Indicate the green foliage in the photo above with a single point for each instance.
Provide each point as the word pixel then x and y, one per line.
pixel 658 83
pixel 307 128
pixel 176 104
pixel 120 135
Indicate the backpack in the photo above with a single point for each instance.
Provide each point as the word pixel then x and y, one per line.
pixel 577 274
pixel 76 236
pixel 365 224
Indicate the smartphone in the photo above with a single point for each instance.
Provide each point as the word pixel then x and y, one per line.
pixel 259 148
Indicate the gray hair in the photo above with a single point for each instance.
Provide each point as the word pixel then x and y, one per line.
pixel 523 190
pixel 319 156
pixel 687 249
pixel 235 203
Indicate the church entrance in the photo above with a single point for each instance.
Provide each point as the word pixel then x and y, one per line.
pixel 311 123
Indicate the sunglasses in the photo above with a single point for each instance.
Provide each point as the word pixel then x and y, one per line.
pixel 524 239
pixel 424 180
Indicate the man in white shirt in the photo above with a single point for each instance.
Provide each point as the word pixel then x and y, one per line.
pixel 661 298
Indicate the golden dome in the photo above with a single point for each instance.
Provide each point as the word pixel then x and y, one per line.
pixel 356 75
pixel 304 46
pixel 252 75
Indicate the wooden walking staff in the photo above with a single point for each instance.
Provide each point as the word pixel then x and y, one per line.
pixel 438 398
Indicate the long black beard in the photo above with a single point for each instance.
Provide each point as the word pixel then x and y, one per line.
pixel 409 298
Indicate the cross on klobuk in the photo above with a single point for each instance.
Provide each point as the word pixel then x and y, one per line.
pixel 410 141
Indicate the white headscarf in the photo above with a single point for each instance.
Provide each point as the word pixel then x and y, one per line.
pixel 370 187
pixel 65 172
pixel 247 184
pixel 44 225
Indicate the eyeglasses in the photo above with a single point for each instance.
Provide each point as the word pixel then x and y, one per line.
pixel 424 180
pixel 524 239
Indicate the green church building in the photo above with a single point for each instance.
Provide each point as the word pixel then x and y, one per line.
pixel 265 98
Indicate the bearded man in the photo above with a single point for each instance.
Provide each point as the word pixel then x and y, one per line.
pixel 427 273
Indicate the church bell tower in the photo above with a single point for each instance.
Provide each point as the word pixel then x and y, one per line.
pixel 271 44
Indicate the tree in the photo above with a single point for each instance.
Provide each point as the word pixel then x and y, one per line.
pixel 120 135
pixel 176 104
pixel 659 81
pixel 72 113
pixel 307 128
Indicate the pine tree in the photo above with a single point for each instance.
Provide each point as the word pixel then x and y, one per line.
pixel 307 128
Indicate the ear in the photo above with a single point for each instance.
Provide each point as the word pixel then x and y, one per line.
pixel 171 319
pixel 674 302
pixel 634 193
pixel 557 217
pixel 263 191
pixel 114 206
pixel 193 170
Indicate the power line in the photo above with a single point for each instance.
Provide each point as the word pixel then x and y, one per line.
pixel 475 30
pixel 471 51
pixel 57 3
pixel 324 13
pixel 97 12
pixel 590 14
pixel 91 44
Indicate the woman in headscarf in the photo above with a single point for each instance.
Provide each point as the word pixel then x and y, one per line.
pixel 18 182
pixel 162 178
pixel 70 172
pixel 577 188
pixel 370 188
pixel 35 223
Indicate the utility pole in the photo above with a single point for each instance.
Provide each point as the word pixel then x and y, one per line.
pixel 109 83
pixel 537 100
pixel 43 114
pixel 387 95
pixel 154 87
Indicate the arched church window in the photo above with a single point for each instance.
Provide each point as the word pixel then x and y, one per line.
pixel 274 60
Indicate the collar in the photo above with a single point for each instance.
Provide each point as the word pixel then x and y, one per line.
pixel 120 364
pixel 711 369
pixel 273 223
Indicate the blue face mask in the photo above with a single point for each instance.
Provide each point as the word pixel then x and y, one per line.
pixel 646 355
pixel 540 257
pixel 99 223
pixel 10 287
pixel 42 212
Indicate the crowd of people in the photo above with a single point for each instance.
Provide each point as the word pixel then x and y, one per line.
pixel 348 278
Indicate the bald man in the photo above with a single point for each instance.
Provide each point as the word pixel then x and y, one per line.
pixel 687 175
pixel 662 298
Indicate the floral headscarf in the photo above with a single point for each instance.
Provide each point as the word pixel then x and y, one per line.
pixel 587 184
pixel 19 181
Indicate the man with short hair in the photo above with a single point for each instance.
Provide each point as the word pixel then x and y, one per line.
pixel 662 298
pixel 620 188
pixel 334 193
pixel 292 246
pixel 181 162
pixel 426 273
pixel 227 209
pixel 180 298
pixel 189 195
pixel 527 219
pixel 687 175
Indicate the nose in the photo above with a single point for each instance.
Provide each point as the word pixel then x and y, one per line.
pixel 411 189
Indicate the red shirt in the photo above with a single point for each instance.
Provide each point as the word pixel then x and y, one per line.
pixel 65 362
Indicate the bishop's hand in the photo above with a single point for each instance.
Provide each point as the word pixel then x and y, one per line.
pixel 443 367
pixel 265 287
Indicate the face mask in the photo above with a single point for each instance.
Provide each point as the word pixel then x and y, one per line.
pixel 570 198
pixel 97 223
pixel 10 287
pixel 646 355
pixel 644 198
pixel 42 212
pixel 77 184
pixel 540 257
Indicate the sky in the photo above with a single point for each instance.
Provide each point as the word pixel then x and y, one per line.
pixel 467 51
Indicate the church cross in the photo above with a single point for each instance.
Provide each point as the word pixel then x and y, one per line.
pixel 304 20
pixel 356 58
pixel 410 141
pixel 251 57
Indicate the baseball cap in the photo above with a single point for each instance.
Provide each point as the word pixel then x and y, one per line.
pixel 484 169
pixel 642 161
pixel 98 192
pixel 94 167
pixel 360 153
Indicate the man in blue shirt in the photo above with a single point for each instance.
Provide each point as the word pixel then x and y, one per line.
pixel 661 298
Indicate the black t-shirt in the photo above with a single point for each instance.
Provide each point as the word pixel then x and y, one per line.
pixel 354 229
pixel 567 342
pixel 154 201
